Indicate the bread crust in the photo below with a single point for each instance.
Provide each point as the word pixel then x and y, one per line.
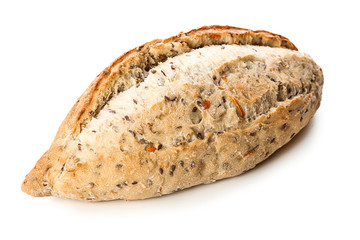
pixel 40 181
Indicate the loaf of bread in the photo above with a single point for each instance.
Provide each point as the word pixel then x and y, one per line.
pixel 201 106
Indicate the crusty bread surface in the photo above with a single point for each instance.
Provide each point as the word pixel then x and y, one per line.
pixel 191 109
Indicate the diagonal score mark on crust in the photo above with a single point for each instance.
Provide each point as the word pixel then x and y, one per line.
pixel 138 62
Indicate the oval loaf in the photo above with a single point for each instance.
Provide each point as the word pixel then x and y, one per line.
pixel 191 109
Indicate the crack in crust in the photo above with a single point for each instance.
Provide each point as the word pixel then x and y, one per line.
pixel 274 84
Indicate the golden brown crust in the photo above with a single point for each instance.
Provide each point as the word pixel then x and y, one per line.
pixel 37 182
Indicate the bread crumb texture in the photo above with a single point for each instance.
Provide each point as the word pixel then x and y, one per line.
pixel 180 116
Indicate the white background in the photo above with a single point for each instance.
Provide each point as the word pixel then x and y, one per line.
pixel 50 52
